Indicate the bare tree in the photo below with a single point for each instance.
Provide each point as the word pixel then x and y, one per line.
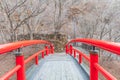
pixel 19 13
pixel 59 15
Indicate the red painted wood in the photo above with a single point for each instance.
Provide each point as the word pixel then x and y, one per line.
pixel 66 48
pixel 20 44
pixel 10 73
pixel 20 62
pixel 93 70
pixel 46 48
pixel 94 66
pixel 36 60
pixel 80 58
pixel 74 54
pixel 106 45
pixel 33 56
pixel 107 75
pixel 52 49
pixel 82 54
pixel 42 54
pixel 71 48
pixel 21 71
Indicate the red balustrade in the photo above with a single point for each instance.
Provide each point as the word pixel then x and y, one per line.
pixel 20 61
pixel 93 59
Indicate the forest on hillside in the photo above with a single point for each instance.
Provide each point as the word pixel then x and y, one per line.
pixel 76 18
pixel 97 19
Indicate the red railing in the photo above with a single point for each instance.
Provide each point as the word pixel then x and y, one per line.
pixel 20 62
pixel 93 59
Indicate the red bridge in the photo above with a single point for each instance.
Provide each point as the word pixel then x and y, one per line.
pixel 62 66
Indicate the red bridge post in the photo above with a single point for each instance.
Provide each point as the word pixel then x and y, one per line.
pixel 80 58
pixel 74 54
pixel 42 54
pixel 21 71
pixel 71 49
pixel 52 49
pixel 36 60
pixel 46 49
pixel 93 70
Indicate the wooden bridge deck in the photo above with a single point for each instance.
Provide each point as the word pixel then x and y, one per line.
pixel 57 67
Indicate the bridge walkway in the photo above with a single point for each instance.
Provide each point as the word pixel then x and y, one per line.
pixel 59 66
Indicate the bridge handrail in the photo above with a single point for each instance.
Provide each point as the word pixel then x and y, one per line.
pixel 106 45
pixel 20 62
pixel 20 44
pixel 93 59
